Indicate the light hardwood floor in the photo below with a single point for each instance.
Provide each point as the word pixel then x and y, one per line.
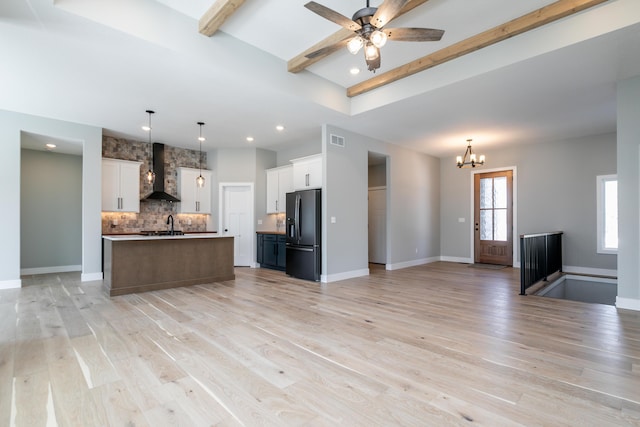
pixel 435 345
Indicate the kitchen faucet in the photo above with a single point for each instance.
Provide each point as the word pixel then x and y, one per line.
pixel 170 220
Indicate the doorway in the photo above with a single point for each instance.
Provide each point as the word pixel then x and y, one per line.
pixel 377 208
pixel 493 217
pixel 236 219
pixel 50 204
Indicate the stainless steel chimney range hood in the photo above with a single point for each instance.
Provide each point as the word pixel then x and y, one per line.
pixel 158 168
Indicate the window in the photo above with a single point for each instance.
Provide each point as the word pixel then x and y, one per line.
pixel 607 193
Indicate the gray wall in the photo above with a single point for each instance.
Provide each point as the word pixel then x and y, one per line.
pixel 556 190
pixel 303 149
pixel 11 127
pixel 265 159
pixel 50 210
pixel 378 175
pixel 628 189
pixel 413 225
pixel 245 165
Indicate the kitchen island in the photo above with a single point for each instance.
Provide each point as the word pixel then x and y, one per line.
pixel 135 263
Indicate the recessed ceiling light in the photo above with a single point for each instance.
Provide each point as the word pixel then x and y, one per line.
pixel 249 139
pixel 279 128
pixel 354 71
pixel 50 146
pixel 146 128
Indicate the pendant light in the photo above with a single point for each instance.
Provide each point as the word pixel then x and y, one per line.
pixel 200 179
pixel 150 176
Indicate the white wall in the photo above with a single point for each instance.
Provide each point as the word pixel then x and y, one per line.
pixel 629 194
pixel 11 126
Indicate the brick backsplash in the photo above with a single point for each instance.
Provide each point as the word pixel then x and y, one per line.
pixel 153 213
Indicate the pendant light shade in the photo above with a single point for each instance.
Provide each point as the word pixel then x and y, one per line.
pixel 150 176
pixel 200 178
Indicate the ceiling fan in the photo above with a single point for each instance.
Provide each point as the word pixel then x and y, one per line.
pixel 368 25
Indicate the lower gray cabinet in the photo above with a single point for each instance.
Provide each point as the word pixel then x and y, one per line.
pixel 272 251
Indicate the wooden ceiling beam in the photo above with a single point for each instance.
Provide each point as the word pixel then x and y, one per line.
pixel 300 62
pixel 530 21
pixel 219 12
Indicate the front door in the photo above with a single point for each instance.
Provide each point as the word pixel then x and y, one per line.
pixel 237 220
pixel 493 218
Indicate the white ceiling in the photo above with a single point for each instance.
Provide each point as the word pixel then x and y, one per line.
pixel 104 62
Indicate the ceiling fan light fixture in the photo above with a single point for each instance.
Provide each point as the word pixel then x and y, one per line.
pixel 355 44
pixel 371 52
pixel 378 38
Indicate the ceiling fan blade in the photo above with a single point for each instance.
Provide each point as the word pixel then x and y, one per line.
pixel 413 34
pixel 386 12
pixel 332 16
pixel 328 49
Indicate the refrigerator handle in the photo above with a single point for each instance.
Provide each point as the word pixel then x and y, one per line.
pixel 297 217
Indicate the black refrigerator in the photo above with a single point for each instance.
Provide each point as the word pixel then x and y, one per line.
pixel 304 234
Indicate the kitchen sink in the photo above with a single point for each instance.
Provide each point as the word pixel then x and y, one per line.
pixel 162 233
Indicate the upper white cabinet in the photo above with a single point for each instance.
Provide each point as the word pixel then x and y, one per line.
pixel 307 172
pixel 279 183
pixel 120 185
pixel 193 199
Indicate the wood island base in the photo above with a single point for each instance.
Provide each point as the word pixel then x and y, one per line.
pixel 146 264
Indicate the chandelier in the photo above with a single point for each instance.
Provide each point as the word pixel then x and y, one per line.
pixel 469 158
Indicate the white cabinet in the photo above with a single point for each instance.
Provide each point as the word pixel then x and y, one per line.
pixel 120 185
pixel 279 183
pixel 193 199
pixel 307 172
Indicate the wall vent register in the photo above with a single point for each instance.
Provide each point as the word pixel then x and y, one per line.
pixel 337 140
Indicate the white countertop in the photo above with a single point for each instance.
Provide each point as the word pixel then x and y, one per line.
pixel 124 237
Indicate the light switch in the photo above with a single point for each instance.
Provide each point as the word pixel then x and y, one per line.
pixel 259 222
pixel 460 219
pixel 333 220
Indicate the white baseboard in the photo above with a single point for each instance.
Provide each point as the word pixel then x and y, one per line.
pixel 628 303
pixel 591 271
pixel 90 277
pixel 412 263
pixel 47 270
pixel 10 284
pixel 456 259
pixel 328 278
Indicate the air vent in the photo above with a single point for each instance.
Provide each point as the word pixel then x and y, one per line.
pixel 337 140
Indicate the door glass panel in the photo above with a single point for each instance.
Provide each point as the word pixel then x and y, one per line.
pixel 486 225
pixel 500 224
pixel 486 193
pixel 500 192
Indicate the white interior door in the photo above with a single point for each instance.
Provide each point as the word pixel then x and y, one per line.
pixel 378 225
pixel 236 213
